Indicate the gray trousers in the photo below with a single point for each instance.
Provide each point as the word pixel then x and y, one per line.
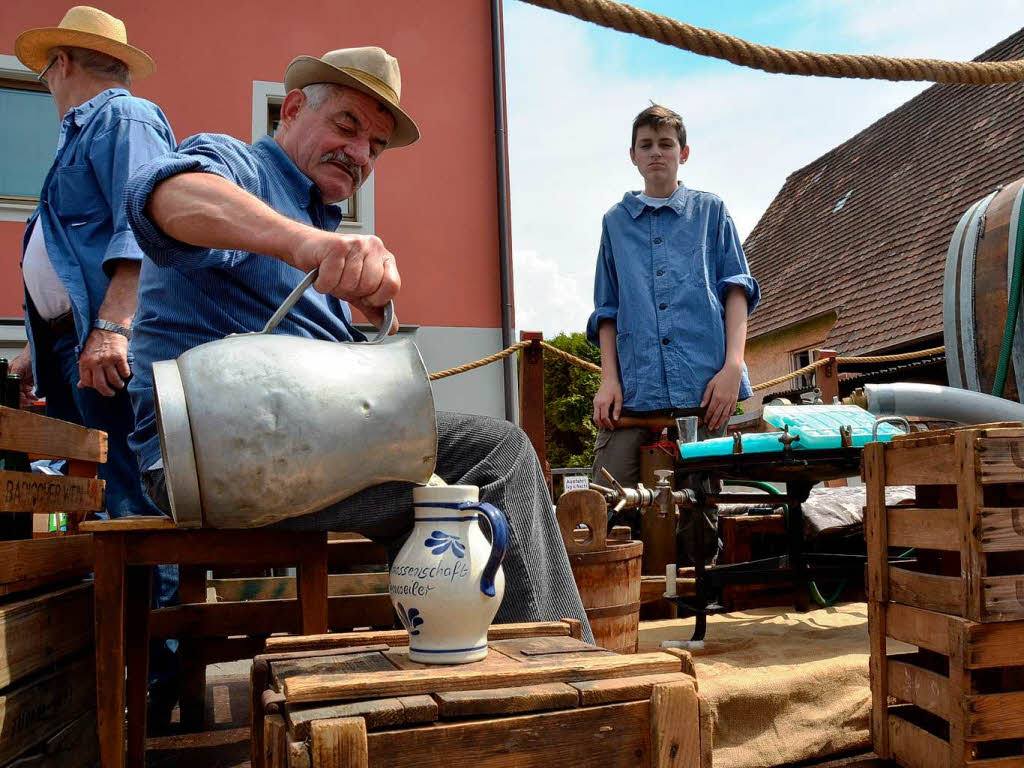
pixel 497 457
pixel 618 451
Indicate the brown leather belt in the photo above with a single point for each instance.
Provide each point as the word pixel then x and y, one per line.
pixel 63 324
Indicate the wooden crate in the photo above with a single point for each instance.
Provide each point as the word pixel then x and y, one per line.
pixel 542 697
pixel 957 701
pixel 966 526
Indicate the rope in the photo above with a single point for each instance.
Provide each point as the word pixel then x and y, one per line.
pixel 589 366
pixel 708 42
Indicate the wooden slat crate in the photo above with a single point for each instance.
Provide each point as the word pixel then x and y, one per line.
pixel 966 527
pixel 959 699
pixel 541 697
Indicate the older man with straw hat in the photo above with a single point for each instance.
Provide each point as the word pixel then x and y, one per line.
pixel 230 230
pixel 80 259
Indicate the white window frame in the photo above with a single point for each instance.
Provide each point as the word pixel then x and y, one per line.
pixel 265 93
pixel 12 69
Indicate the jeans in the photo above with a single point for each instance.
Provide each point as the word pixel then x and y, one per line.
pixel 124 493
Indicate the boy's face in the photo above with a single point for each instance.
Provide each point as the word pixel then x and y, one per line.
pixel 657 154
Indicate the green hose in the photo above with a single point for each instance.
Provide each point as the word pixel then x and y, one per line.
pixel 766 487
pixel 1010 328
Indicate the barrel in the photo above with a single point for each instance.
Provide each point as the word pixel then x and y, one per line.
pixel 979 270
pixel 607 572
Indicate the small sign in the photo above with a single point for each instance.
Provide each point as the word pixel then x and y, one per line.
pixel 576 483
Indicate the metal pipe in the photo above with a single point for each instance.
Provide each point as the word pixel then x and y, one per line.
pixel 501 161
pixel 935 402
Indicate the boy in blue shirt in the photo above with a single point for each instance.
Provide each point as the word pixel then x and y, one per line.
pixel 672 292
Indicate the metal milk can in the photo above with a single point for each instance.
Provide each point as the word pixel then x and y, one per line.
pixel 447 581
pixel 256 428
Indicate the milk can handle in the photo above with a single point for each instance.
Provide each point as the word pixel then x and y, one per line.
pixel 286 307
pixel 499 542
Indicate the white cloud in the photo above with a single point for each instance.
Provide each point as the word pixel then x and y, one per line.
pixel 569 126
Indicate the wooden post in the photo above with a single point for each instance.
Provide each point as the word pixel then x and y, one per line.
pixel 826 378
pixel 531 398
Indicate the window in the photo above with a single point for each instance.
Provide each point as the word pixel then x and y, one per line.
pixel 356 212
pixel 799 360
pixel 28 139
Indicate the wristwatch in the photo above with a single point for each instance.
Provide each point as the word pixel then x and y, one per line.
pixel 106 325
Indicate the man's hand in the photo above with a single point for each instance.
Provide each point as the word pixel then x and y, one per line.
pixel 720 396
pixel 22 366
pixel 608 403
pixel 354 268
pixel 103 364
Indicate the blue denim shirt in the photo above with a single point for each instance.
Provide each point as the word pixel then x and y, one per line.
pixel 662 275
pixel 190 295
pixel 101 142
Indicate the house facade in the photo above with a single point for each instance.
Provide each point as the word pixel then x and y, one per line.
pixel 219 68
pixel 851 252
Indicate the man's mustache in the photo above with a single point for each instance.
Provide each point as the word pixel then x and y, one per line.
pixel 339 157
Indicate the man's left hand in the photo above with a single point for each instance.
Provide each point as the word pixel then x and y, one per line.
pixel 103 364
pixel 720 396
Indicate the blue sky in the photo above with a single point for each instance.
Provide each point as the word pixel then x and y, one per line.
pixel 573 89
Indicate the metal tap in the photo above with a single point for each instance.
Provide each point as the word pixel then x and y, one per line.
pixel 661 495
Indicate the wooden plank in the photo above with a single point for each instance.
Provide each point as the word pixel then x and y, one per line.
pixel 50 438
pixel 29 563
pixel 74 746
pixel 925 590
pixel 1002 530
pixel 921 687
pixel 30 492
pixel 377 713
pixel 263 617
pixel 924 528
pixel 994 716
pixel 32 712
pixel 133 523
pixel 275 742
pixel 312 590
pixel 544 649
pixel 1000 460
pixel 675 726
pixel 1002 598
pixel 340 742
pixel 594 692
pixel 416 681
pixel 615 736
pixel 914 747
pixel 359 551
pixel 399 659
pixel 707 731
pixel 878 672
pixel 994 645
pixel 922 465
pixel 419 709
pixel 875 519
pixel 339 663
pixel 283 587
pixel 506 701
pixel 400 637
pixel 997 762
pixel 36 632
pixel 685 662
pixel 925 629
pixel 970 497
pixel 652 588
pixel 108 620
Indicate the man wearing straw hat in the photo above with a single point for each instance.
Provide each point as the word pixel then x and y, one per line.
pixel 80 259
pixel 231 229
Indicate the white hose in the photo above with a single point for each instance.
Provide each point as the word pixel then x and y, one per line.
pixel 946 403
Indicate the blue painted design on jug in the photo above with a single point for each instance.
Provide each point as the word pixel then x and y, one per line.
pixel 411 619
pixel 440 542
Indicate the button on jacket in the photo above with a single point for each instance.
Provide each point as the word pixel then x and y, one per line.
pixel 190 295
pixel 662 276
pixel 100 144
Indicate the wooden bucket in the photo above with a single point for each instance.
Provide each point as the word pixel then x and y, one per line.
pixel 607 572
pixel 979 269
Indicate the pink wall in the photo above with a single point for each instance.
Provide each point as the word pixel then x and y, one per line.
pixel 435 201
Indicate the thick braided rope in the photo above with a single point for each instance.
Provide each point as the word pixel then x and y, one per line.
pixel 481 362
pixel 708 42
pixel 799 372
pixel 892 358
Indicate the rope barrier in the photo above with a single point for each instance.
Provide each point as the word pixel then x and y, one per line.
pixel 589 366
pixel 708 42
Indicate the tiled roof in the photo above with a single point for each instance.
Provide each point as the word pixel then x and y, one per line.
pixel 864 228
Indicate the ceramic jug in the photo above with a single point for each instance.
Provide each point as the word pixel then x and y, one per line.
pixel 447 581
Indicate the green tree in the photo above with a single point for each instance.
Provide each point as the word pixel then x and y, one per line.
pixel 569 402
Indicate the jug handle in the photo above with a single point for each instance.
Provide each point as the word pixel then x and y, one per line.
pixel 499 542
pixel 293 297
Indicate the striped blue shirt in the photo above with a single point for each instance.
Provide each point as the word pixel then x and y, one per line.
pixel 190 295
pixel 662 275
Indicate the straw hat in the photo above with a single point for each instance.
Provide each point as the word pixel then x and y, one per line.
pixel 82 27
pixel 370 70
